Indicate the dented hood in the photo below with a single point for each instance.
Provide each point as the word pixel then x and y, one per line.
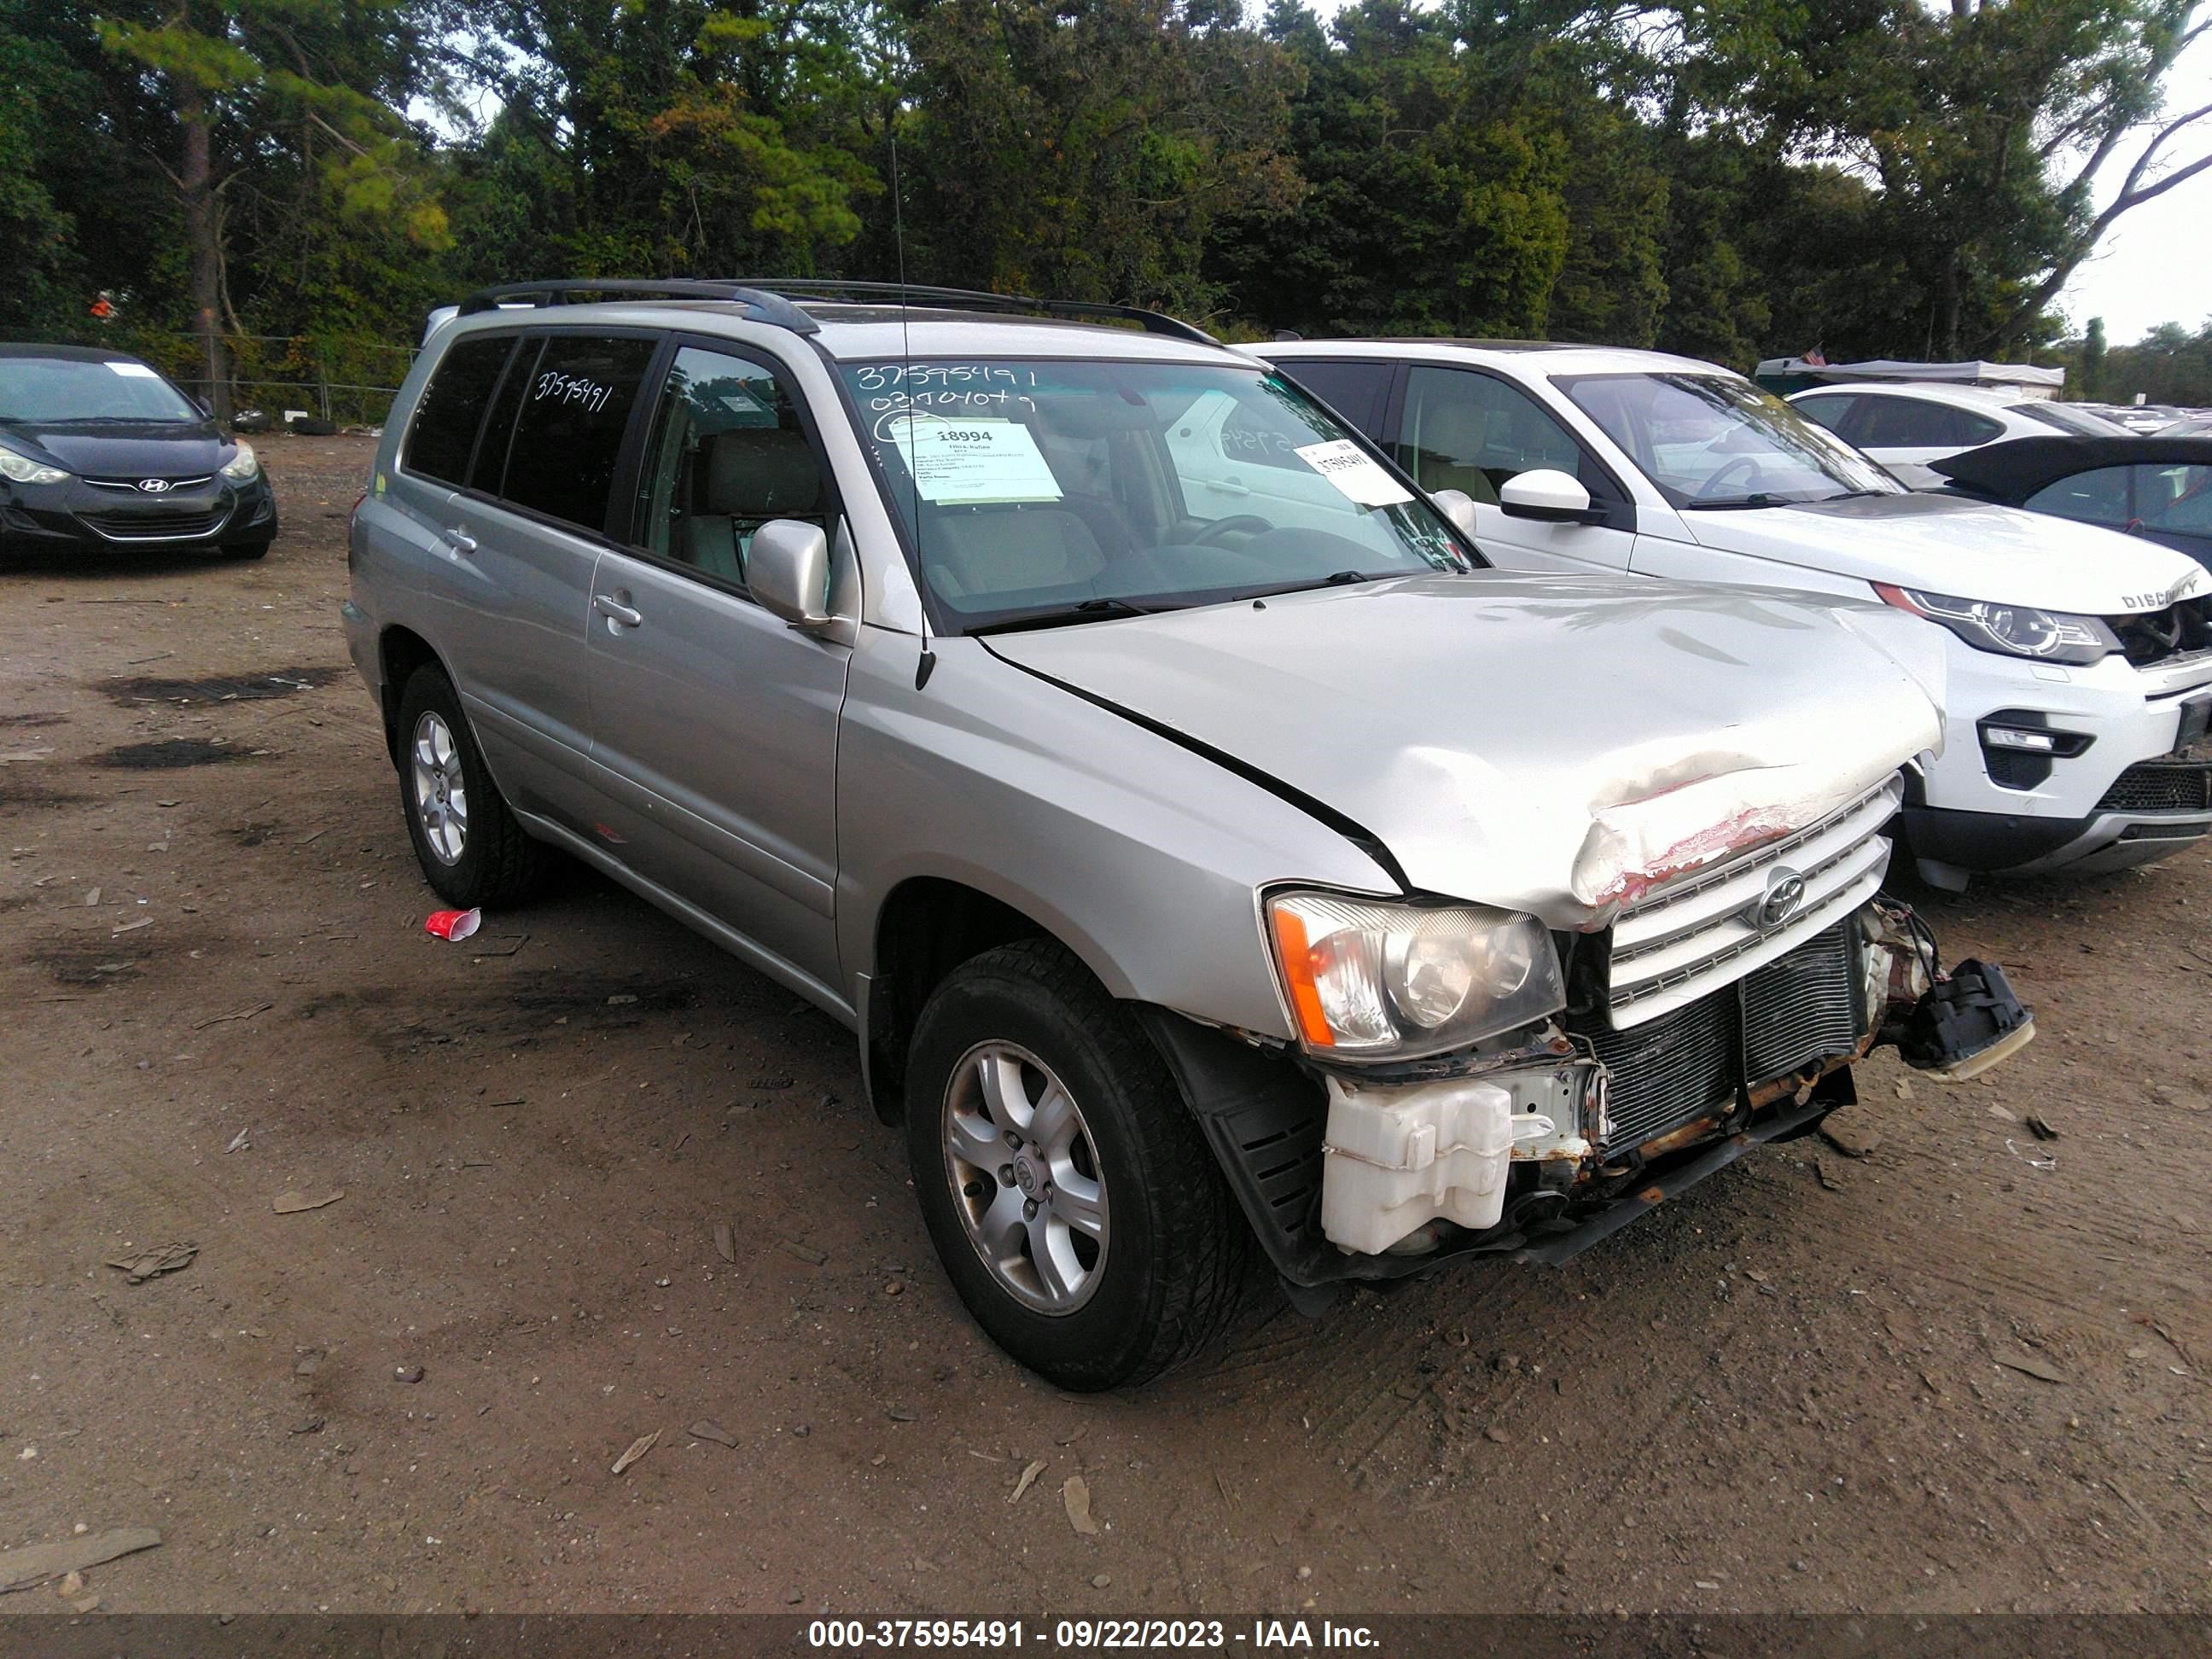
pixel 1547 744
pixel 1971 550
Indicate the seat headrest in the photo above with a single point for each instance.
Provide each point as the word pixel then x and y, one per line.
pixel 758 472
pixel 1457 431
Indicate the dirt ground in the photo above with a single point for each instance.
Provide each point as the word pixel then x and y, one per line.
pixel 1964 1372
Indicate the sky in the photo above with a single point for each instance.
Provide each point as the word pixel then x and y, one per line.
pixel 2155 265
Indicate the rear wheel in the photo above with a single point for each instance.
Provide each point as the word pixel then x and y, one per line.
pixel 1069 1192
pixel 466 838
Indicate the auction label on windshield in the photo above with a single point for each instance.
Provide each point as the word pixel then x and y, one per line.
pixel 960 462
pixel 1347 467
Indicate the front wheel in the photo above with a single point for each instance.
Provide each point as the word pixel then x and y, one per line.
pixel 1068 1188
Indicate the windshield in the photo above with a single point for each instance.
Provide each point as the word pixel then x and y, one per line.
pixel 50 390
pixel 1050 490
pixel 1712 443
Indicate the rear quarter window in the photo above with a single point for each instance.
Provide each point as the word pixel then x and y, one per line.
pixel 452 406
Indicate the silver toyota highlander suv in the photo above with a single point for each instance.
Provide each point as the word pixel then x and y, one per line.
pixel 1199 869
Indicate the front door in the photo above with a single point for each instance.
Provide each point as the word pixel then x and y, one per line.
pixel 1471 431
pixel 714 723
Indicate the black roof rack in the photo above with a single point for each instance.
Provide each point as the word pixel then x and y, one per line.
pixel 770 298
pixel 771 307
pixel 972 299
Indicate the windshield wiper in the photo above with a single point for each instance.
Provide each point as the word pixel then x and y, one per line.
pixel 1728 504
pixel 1336 579
pixel 1062 616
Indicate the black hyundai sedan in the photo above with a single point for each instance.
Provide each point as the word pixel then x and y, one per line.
pixel 98 451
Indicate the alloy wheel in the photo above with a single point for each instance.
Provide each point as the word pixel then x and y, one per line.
pixel 1025 1177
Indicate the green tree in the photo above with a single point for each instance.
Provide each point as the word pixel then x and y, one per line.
pixel 2090 383
pixel 282 110
pixel 1089 148
pixel 1435 197
pixel 1981 125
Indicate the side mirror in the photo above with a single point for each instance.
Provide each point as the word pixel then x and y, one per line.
pixel 1457 506
pixel 1548 494
pixel 787 571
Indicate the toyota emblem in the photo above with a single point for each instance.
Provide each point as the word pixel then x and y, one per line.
pixel 1781 898
pixel 154 486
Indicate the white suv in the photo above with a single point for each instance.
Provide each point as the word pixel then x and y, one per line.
pixel 2080 660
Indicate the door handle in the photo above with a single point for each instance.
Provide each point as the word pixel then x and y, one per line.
pixel 462 542
pixel 616 613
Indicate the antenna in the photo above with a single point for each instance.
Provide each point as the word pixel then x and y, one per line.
pixel 928 662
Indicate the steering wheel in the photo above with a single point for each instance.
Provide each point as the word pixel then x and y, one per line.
pixel 1241 524
pixel 1711 488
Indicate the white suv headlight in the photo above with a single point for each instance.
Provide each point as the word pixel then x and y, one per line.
pixel 23 470
pixel 1371 979
pixel 244 467
pixel 2009 630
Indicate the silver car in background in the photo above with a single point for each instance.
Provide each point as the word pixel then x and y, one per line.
pixel 1202 869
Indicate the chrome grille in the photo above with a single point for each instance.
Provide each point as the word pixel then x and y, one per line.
pixel 1694 935
pixel 1780 1019
pixel 131 485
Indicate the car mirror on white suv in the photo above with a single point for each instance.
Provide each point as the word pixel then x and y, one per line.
pixel 787 571
pixel 1457 506
pixel 1548 494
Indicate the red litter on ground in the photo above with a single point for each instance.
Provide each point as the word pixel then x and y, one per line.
pixel 455 924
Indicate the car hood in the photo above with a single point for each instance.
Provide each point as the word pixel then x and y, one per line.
pixel 151 449
pixel 1971 550
pixel 1556 744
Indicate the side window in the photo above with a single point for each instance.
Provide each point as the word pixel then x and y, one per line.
pixel 727 454
pixel 447 414
pixel 2174 497
pixel 1829 411
pixel 1354 390
pixel 488 471
pixel 569 433
pixel 1969 429
pixel 1915 423
pixel 2096 497
pixel 1473 432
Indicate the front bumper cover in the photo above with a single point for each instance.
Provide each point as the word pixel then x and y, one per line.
pixel 1268 1119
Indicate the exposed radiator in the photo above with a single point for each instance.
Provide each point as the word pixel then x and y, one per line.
pixel 1799 1008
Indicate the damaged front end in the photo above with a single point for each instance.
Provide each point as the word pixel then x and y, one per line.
pixel 1719 1010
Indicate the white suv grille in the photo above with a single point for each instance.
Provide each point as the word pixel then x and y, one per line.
pixel 1696 934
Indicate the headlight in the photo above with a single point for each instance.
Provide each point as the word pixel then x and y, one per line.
pixel 23 470
pixel 2011 630
pixel 242 466
pixel 1371 979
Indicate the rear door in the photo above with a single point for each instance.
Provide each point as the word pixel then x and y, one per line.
pixel 714 723
pixel 528 527
pixel 1905 433
pixel 1471 431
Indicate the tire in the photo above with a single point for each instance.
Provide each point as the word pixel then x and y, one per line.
pixel 245 549
pixel 471 849
pixel 1168 1262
